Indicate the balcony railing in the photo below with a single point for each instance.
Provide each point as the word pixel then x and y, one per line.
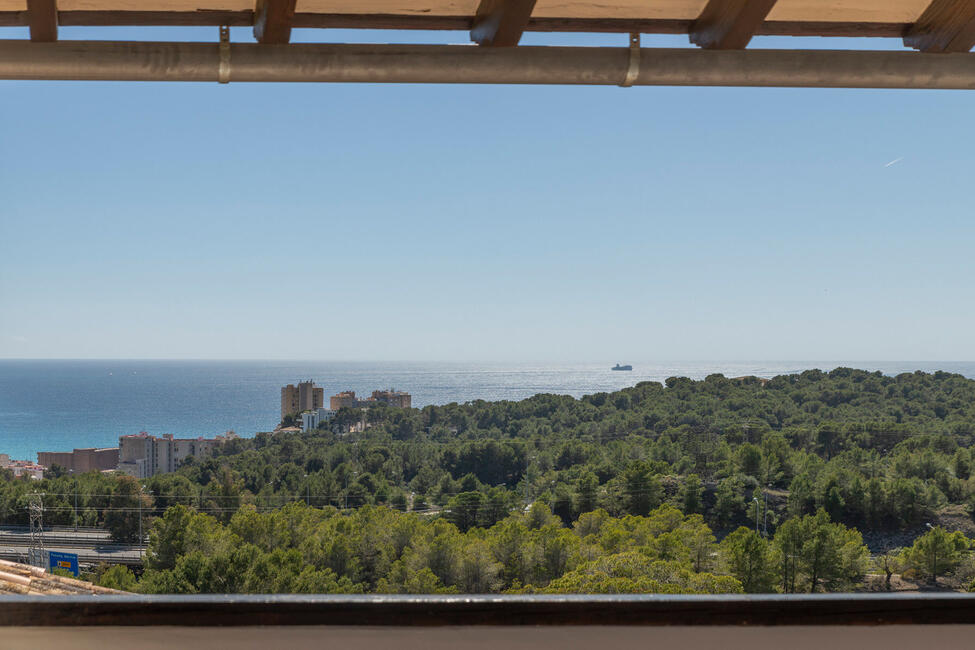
pixel 829 622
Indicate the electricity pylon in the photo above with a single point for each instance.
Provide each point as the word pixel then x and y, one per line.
pixel 35 553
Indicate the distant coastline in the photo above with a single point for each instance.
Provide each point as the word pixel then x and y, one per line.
pixel 91 403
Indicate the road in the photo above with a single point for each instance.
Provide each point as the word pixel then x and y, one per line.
pixel 93 546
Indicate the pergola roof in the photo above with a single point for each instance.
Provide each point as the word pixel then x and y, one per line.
pixel 943 27
pixel 27 580
pixel 877 11
pixel 952 20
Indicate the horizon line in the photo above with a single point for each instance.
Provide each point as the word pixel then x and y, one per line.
pixel 479 361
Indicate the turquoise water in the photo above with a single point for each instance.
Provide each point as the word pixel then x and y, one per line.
pixel 60 405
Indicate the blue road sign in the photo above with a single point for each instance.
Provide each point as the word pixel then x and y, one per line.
pixel 66 561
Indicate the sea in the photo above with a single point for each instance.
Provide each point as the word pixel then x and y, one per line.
pixel 55 405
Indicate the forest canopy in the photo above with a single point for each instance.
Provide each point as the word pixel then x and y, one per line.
pixel 760 465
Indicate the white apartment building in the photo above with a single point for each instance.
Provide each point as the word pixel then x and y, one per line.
pixel 312 419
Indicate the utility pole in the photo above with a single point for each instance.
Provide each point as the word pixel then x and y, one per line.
pixel 755 499
pixel 711 436
pixel 142 540
pixel 354 474
pixel 35 553
pixel 765 523
pixel 76 507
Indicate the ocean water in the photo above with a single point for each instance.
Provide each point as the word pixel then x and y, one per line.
pixel 61 405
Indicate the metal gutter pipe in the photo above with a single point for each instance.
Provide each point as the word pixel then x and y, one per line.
pixel 342 63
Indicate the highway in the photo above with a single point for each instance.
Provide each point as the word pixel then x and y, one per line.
pixel 92 545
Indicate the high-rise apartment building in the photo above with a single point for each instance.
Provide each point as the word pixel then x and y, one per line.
pixel 306 396
pixel 347 399
pixel 142 455
pixel 392 398
pixel 344 400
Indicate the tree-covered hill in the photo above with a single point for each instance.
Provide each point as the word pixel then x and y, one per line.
pixel 884 455
pixel 874 451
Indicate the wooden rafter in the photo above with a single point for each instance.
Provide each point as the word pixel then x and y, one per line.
pixel 245 18
pixel 273 20
pixel 42 16
pixel 729 24
pixel 945 26
pixel 500 23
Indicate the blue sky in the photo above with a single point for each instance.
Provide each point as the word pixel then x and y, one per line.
pixel 366 222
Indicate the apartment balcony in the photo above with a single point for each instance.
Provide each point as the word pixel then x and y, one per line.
pixel 820 622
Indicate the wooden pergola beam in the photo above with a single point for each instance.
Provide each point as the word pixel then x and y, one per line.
pixel 245 18
pixel 729 24
pixel 500 23
pixel 42 16
pixel 945 26
pixel 273 20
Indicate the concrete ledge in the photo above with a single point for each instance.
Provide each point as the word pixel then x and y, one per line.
pixel 466 611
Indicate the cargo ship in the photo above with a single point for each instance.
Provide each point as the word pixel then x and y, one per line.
pixel 619 367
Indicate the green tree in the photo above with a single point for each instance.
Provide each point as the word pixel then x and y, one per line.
pixel 730 501
pixel 118 577
pixel 936 552
pixel 478 569
pixel 890 563
pixel 586 494
pixel 642 490
pixel 55 471
pixel 634 573
pixel 748 557
pixel 691 494
pixel 166 538
pixel 494 508
pixel 833 502
pixel 128 510
pixel 749 459
pixel 962 464
pixel 816 554
pixel 463 510
pixel 788 544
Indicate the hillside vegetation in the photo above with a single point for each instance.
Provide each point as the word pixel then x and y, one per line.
pixel 603 489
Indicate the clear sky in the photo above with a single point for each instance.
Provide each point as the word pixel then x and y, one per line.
pixel 367 222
